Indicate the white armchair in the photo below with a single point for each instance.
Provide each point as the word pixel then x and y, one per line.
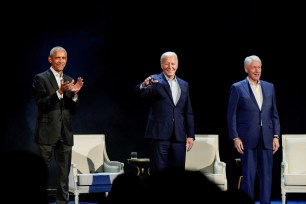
pixel 91 169
pixel 204 156
pixel 293 166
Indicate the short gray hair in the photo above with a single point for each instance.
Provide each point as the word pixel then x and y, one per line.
pixel 56 49
pixel 167 54
pixel 248 60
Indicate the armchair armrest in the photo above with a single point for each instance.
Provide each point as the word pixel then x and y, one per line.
pixel 219 167
pixel 73 178
pixel 74 170
pixel 284 168
pixel 113 166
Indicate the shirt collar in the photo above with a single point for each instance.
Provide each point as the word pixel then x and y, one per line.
pixel 251 82
pixel 56 74
pixel 168 79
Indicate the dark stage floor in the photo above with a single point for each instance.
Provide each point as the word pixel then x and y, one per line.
pixel 99 198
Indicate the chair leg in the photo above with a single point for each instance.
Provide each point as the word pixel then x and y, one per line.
pixel 238 162
pixel 239 182
pixel 76 198
pixel 284 198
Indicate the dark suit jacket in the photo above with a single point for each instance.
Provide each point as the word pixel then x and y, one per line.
pixel 53 113
pixel 245 117
pixel 164 115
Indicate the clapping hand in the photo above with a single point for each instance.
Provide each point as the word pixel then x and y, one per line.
pixel 66 86
pixel 78 85
pixel 71 86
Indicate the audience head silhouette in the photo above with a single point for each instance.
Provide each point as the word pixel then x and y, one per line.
pixel 177 185
pixel 26 177
pixel 126 188
pixel 238 197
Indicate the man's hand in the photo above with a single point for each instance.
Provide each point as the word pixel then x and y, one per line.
pixel 149 80
pixel 71 86
pixel 66 86
pixel 239 145
pixel 189 143
pixel 77 86
pixel 276 144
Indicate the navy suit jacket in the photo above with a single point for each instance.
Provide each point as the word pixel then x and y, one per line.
pixel 53 113
pixel 164 115
pixel 245 118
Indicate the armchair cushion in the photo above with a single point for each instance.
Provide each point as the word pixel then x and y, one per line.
pixel 295 180
pixel 216 178
pixel 96 179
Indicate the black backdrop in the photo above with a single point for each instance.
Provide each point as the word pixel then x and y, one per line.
pixel 114 46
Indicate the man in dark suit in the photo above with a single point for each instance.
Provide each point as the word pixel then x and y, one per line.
pixel 170 125
pixel 56 96
pixel 254 127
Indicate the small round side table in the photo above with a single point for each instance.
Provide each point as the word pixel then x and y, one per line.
pixel 141 165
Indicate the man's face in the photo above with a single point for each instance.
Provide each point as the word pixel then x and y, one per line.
pixel 58 60
pixel 169 66
pixel 254 71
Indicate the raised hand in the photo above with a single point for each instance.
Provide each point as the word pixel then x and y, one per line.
pixel 66 86
pixel 148 81
pixel 78 85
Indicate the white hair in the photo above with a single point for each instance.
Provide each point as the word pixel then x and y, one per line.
pixel 167 54
pixel 248 60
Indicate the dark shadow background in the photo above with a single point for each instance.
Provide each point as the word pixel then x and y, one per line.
pixel 114 46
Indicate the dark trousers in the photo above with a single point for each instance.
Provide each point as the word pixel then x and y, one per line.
pixel 166 154
pixel 62 154
pixel 258 161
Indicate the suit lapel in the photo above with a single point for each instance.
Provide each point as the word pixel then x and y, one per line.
pixel 167 86
pixel 263 89
pixel 181 87
pixel 52 80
